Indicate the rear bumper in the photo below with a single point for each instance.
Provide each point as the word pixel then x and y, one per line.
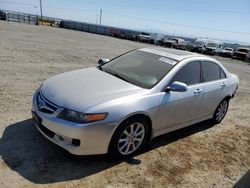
pixel 78 139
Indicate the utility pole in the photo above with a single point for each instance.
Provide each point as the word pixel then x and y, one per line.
pixel 41 10
pixel 101 17
pixel 96 21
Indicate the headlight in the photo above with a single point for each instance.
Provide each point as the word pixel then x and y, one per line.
pixel 79 117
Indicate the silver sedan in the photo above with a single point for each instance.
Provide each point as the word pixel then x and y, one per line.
pixel 123 103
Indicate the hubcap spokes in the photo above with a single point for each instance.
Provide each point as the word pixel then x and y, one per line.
pixel 221 112
pixel 131 138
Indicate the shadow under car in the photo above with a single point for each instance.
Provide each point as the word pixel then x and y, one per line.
pixel 38 160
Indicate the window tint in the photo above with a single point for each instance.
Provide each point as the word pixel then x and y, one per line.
pixel 222 74
pixel 211 71
pixel 189 74
pixel 140 68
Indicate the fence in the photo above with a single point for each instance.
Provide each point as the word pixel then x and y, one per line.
pixel 68 24
pixel 19 17
pixel 100 29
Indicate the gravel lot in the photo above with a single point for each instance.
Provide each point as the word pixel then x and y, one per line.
pixel 198 156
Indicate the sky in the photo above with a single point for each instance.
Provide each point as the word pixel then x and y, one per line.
pixel 219 19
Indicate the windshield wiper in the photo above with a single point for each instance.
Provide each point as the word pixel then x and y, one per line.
pixel 118 76
pixel 100 68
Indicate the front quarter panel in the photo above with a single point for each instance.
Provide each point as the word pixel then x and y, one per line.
pixel 120 109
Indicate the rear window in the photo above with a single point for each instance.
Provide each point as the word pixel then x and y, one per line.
pixel 212 71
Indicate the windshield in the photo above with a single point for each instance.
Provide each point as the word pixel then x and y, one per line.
pixel 213 45
pixel 243 50
pixel 199 43
pixel 140 68
pixel 228 49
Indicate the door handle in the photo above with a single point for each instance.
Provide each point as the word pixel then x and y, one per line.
pixel 197 91
pixel 223 84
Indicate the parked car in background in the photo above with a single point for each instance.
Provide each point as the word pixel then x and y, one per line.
pixel 198 47
pixel 156 38
pixel 248 57
pixel 183 45
pixel 135 97
pixel 226 52
pixel 3 15
pixel 172 42
pixel 241 53
pixel 144 37
pixel 212 48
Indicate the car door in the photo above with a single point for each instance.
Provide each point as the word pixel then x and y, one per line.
pixel 215 83
pixel 181 107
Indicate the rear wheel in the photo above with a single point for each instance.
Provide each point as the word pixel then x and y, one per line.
pixel 129 137
pixel 221 111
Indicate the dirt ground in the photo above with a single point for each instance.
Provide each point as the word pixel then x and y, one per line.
pixel 202 155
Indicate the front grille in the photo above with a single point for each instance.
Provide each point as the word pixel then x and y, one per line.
pixel 45 106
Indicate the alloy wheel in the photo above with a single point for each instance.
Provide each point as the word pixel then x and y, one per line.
pixel 221 111
pixel 131 138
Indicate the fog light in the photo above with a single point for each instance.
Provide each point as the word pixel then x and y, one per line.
pixel 76 142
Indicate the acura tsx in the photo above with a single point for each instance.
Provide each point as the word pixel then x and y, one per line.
pixel 118 106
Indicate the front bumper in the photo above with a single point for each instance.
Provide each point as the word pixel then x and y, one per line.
pixel 209 52
pixel 78 139
pixel 239 56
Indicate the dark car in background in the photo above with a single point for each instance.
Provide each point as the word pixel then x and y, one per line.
pixel 182 45
pixel 3 15
pixel 198 47
pixel 248 57
pixel 241 53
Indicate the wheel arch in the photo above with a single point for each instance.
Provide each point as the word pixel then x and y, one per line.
pixel 226 98
pixel 134 115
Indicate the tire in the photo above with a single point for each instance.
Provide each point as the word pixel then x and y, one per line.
pixel 124 143
pixel 220 111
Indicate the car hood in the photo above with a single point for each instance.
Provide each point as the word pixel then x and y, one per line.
pixel 84 88
pixel 242 53
pixel 211 48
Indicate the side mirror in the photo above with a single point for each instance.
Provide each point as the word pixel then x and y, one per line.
pixel 103 61
pixel 177 87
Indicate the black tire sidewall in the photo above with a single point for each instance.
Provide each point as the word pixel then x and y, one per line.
pixel 113 148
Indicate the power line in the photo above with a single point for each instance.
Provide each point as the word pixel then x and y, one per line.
pixel 65 9
pixel 138 18
pixel 176 24
pixel 191 9
pixel 18 3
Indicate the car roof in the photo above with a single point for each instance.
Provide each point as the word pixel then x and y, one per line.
pixel 174 54
pixel 243 48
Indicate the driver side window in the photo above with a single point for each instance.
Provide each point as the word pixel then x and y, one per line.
pixel 189 74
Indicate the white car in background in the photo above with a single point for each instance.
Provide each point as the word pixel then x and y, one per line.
pixel 226 52
pixel 120 105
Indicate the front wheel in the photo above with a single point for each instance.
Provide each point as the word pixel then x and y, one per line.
pixel 129 137
pixel 221 111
